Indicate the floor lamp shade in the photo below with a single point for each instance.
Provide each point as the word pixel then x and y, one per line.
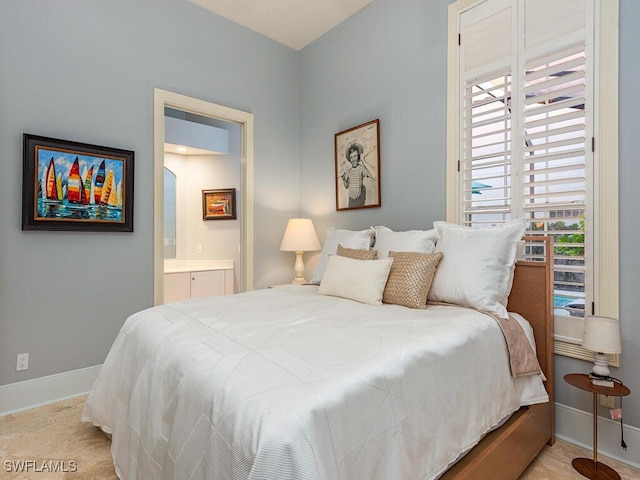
pixel 601 336
pixel 300 236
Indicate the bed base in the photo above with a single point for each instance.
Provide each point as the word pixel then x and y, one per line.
pixel 506 452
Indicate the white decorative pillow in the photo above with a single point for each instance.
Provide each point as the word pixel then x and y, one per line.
pixel 477 267
pixel 347 238
pixel 359 280
pixel 422 241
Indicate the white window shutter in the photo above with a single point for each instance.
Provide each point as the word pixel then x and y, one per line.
pixel 554 170
pixel 487 40
pixel 524 114
pixel 548 21
pixel 524 132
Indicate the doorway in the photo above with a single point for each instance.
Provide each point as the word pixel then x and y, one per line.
pixel 165 99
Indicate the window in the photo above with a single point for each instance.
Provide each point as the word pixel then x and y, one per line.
pixel 532 133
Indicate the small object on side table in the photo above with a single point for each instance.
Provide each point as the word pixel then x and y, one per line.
pixel 594 469
pixel 601 381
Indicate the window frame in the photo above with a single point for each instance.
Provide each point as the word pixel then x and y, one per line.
pixel 604 271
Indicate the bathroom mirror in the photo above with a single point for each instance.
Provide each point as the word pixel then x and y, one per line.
pixel 169 214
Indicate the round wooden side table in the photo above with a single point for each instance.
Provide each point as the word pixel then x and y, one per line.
pixel 594 469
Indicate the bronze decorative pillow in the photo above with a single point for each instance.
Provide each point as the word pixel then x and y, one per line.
pixel 410 278
pixel 357 254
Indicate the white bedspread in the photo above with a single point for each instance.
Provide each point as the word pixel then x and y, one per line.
pixel 287 384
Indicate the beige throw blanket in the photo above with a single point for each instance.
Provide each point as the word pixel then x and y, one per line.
pixel 522 357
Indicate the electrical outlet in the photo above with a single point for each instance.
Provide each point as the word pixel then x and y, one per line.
pixel 22 362
pixel 608 401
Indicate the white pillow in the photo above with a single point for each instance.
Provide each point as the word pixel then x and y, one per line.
pixel 422 241
pixel 360 240
pixel 477 267
pixel 359 280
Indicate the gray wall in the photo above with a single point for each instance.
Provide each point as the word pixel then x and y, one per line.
pixel 85 71
pixel 386 62
pixel 389 62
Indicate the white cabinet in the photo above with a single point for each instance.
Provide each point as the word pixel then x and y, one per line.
pixel 177 286
pixel 207 284
pixel 192 281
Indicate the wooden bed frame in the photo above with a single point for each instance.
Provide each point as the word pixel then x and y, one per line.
pixel 507 451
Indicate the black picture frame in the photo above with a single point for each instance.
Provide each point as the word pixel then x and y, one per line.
pixel 219 204
pixel 74 186
pixel 358 178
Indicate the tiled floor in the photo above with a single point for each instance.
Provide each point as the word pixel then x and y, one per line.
pixel 54 438
pixel 554 463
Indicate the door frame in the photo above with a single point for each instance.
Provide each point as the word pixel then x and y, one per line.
pixel 162 99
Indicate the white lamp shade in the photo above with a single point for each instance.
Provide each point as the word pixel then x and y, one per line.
pixel 601 334
pixel 300 236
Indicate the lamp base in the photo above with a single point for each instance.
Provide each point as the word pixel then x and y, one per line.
pixel 299 270
pixel 600 365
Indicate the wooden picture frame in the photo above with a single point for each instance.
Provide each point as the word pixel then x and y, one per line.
pixel 76 186
pixel 219 204
pixel 357 154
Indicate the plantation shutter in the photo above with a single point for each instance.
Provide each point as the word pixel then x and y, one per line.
pixel 486 58
pixel 487 33
pixel 554 168
pixel 557 140
pixel 487 160
pixel 552 21
pixel 525 139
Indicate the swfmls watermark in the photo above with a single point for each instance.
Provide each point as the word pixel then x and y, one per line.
pixel 39 466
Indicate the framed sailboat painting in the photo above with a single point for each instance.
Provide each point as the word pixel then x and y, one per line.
pixel 76 186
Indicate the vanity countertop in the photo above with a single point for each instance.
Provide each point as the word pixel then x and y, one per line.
pixel 178 266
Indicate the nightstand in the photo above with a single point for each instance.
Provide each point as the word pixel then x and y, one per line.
pixel 594 469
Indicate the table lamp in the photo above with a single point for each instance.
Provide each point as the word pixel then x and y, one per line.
pixel 601 336
pixel 299 237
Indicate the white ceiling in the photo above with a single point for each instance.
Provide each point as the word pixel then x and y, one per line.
pixel 294 23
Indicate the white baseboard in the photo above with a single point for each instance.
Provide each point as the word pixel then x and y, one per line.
pixel 20 396
pixel 576 426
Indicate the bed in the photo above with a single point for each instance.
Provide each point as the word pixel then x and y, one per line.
pixel 290 383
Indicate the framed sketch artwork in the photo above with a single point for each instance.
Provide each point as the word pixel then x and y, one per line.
pixel 357 152
pixel 76 186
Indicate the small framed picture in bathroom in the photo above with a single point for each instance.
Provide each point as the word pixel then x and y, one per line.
pixel 219 204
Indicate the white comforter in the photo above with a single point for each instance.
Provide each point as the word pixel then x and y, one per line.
pixel 288 384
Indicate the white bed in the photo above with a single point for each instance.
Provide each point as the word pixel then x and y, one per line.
pixel 285 383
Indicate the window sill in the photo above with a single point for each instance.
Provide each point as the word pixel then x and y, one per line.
pixel 574 350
